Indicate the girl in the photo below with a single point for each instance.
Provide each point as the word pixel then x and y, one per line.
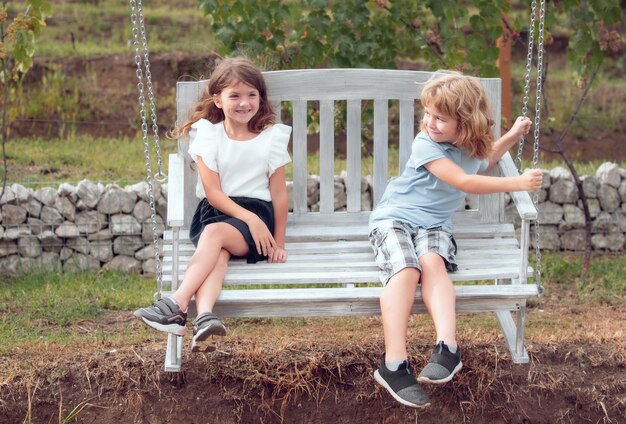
pixel 410 228
pixel 240 154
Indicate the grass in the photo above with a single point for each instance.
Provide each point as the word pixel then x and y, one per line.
pixel 46 309
pixel 93 28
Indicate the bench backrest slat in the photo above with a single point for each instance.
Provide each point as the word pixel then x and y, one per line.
pixel 299 92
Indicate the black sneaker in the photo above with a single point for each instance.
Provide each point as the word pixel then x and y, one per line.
pixel 205 326
pixel 164 315
pixel 401 385
pixel 442 365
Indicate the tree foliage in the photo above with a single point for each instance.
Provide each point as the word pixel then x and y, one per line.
pixel 361 33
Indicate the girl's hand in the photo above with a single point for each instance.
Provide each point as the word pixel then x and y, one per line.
pixel 531 179
pixel 520 127
pixel 277 255
pixel 261 235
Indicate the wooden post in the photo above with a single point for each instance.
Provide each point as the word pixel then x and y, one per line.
pixel 504 65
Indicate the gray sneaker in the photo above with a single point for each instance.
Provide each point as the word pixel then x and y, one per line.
pixel 205 326
pixel 442 365
pixel 164 315
pixel 401 385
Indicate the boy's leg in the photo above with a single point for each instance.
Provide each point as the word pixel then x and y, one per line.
pixel 395 305
pixel 396 302
pixel 440 300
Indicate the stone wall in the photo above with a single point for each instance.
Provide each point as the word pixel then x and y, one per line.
pixel 93 226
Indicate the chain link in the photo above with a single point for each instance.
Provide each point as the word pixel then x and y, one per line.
pixel 542 13
pixel 529 64
pixel 138 26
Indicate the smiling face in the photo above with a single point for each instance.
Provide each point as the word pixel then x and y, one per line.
pixel 440 127
pixel 239 102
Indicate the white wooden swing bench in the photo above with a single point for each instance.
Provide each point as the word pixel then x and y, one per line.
pixel 330 247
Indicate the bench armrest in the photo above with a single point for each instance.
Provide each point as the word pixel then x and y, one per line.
pixel 176 191
pixel 522 200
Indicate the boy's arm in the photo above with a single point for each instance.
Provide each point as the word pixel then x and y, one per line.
pixel 452 174
pixel 520 127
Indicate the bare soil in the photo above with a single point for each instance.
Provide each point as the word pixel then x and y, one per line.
pixel 320 371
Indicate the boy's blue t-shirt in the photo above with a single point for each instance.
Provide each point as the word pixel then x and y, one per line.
pixel 419 198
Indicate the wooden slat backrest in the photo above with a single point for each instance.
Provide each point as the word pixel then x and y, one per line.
pixel 324 88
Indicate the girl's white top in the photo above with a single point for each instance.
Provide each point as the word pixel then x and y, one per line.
pixel 244 167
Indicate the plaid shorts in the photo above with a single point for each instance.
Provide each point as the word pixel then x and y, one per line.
pixel 398 245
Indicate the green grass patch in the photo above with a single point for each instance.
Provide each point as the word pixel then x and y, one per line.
pixel 43 162
pixel 48 308
pixel 82 29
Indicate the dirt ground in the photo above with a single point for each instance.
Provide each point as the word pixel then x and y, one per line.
pixel 320 371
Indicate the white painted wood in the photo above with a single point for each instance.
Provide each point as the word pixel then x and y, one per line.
pixel 330 248
pixel 353 153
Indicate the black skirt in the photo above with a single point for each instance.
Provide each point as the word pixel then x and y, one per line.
pixel 206 214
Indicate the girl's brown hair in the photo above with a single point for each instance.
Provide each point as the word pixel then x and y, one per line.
pixel 227 72
pixel 463 98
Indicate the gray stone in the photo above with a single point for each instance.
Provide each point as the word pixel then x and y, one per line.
pixel 127 245
pixel 122 224
pixel 622 191
pixel 33 207
pixel 563 191
pixel 312 190
pixel 88 193
pixel 102 250
pixel 550 213
pixel 29 246
pixel 609 197
pixel 7 248
pixel 67 230
pixel 65 253
pixel 146 252
pixel 149 267
pixel 79 244
pixel 560 173
pixel 142 211
pixel 67 190
pixel 80 262
pixel 16 232
pixel 124 264
pixel 613 241
pixel 51 216
pixel 7 197
pixel 573 240
pixel 11 265
pixel 13 214
pixel 594 207
pixel 22 194
pixel 101 235
pixel 147 229
pixel 340 199
pixel 49 262
pixel 590 186
pixel 548 238
pixel 46 195
pixel 608 173
pixel 605 221
pixel 66 208
pixel 161 207
pixel 115 201
pixel 574 217
pixel 50 242
pixel 90 221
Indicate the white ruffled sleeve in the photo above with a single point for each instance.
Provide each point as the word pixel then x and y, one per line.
pixel 279 155
pixel 203 138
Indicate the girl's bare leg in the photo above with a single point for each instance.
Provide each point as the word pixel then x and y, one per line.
pixel 439 297
pixel 213 239
pixel 395 305
pixel 210 290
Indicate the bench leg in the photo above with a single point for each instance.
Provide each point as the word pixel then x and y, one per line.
pixel 174 353
pixel 513 331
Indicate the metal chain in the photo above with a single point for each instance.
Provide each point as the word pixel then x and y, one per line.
pixel 136 16
pixel 529 63
pixel 542 13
